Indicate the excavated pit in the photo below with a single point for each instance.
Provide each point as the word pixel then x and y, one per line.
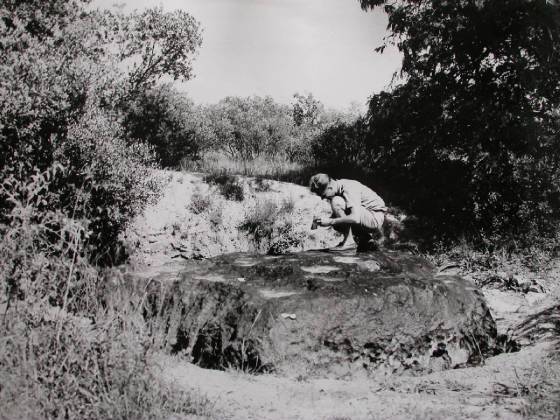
pixel 320 314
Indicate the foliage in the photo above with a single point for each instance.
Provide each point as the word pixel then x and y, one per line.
pixel 279 169
pixel 98 375
pixel 43 247
pixel 268 222
pixel 259 221
pixel 250 127
pixel 153 44
pixel 165 119
pixel 340 149
pixel 61 92
pixel 200 202
pixel 285 239
pixel 71 347
pixel 229 185
pixel 70 180
pixel 306 110
pixel 469 139
pixel 253 128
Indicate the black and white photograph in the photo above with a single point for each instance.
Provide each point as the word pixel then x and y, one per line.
pixel 279 209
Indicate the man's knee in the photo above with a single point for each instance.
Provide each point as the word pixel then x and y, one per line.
pixel 338 206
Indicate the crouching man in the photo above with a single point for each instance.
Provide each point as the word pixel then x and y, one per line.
pixel 357 211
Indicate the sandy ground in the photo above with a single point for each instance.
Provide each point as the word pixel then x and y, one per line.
pixel 487 392
pixel 170 231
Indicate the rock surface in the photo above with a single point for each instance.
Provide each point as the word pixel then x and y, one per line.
pixel 320 314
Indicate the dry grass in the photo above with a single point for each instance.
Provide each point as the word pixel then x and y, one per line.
pixel 270 225
pixel 73 343
pixel 228 185
pixel 541 390
pixel 200 202
pixel 277 168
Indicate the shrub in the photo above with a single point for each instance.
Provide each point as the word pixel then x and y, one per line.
pixel 71 348
pixel 228 185
pixel 199 202
pixel 267 223
pixel 477 152
pixel 69 182
pixel 259 221
pixel 288 205
pixel 165 119
pixel 114 180
pixel 285 239
pixel 101 373
pixel 215 215
pixel 262 184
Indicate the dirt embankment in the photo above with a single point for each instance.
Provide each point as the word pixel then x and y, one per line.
pixel 194 220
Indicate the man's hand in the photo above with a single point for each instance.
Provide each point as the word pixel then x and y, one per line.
pixel 324 221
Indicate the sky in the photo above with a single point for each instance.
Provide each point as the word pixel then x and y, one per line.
pixel 280 47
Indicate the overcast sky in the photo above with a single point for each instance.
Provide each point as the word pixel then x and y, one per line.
pixel 279 47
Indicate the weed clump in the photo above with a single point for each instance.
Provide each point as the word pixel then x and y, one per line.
pixel 286 239
pixel 228 185
pixel 259 221
pixel 71 348
pixel 199 202
pixel 269 224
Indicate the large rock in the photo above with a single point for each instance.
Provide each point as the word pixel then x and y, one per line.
pixel 321 314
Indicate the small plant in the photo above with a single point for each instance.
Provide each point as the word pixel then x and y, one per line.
pixel 288 205
pixel 215 215
pixel 233 191
pixel 228 185
pixel 259 221
pixel 175 228
pixel 200 202
pixel 262 184
pixel 285 239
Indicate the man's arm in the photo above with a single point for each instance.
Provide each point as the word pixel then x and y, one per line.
pixel 351 218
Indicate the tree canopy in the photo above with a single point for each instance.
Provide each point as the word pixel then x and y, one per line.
pixel 67 72
pixel 469 135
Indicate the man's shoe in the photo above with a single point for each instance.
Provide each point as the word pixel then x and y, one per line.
pixel 344 247
pixel 368 246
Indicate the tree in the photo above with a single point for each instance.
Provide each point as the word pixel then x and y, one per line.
pixel 306 109
pixel 167 120
pixel 470 135
pixel 61 99
pixel 155 44
pixel 250 127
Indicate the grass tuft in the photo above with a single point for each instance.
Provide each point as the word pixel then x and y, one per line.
pixel 228 185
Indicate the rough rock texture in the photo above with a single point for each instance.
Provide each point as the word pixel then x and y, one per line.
pixel 320 314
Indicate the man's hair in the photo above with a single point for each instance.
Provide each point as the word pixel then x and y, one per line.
pixel 318 183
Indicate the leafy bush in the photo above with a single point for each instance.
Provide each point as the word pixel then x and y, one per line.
pixel 69 183
pixel 341 149
pixel 468 140
pixel 115 180
pixel 269 225
pixel 199 202
pixel 247 128
pixel 259 221
pixel 168 121
pixel 72 347
pixel 59 104
pixel 285 239
pixel 262 184
pixel 229 185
